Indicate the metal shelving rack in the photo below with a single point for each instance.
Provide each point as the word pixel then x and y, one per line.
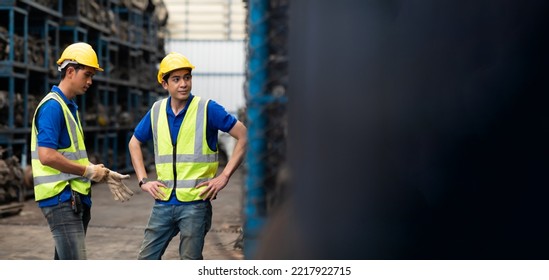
pixel 13 77
pixel 123 94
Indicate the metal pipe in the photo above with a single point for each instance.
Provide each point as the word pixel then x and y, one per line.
pixel 255 206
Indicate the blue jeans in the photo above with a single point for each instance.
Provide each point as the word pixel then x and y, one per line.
pixel 192 221
pixel 68 230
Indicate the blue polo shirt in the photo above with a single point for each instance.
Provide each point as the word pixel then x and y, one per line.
pixel 218 119
pixel 53 133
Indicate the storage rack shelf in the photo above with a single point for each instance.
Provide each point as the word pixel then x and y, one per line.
pixel 33 35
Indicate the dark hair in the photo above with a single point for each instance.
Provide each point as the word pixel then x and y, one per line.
pixel 167 75
pixel 75 66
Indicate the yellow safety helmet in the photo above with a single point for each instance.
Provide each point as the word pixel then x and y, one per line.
pixel 80 53
pixel 172 61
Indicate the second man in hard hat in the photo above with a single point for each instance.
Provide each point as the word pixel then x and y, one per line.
pixel 62 172
pixel 184 129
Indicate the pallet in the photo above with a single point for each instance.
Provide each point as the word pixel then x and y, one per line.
pixel 11 209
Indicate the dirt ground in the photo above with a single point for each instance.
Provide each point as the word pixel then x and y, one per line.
pixel 116 228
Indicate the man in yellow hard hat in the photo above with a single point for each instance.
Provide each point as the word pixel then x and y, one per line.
pixel 184 129
pixel 62 172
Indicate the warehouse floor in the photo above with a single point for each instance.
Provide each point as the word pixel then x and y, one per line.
pixel 116 229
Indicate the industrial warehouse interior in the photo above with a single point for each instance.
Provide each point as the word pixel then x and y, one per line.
pixel 130 39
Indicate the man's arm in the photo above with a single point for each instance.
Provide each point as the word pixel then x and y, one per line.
pixel 52 158
pixel 137 158
pixel 152 187
pixel 240 133
pixel 215 185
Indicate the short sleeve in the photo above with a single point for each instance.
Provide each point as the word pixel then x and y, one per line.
pixel 49 122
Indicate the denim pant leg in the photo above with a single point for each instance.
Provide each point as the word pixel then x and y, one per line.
pixel 194 222
pixel 159 232
pixel 68 230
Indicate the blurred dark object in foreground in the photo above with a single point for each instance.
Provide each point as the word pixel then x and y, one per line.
pixel 417 130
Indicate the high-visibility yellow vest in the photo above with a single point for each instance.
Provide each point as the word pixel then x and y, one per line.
pixel 191 161
pixel 48 181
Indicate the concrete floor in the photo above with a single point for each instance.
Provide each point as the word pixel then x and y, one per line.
pixel 116 228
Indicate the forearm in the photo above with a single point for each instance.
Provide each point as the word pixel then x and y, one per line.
pixel 236 159
pixel 137 158
pixel 56 160
pixel 239 132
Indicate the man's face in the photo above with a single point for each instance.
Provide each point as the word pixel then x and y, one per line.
pixel 81 80
pixel 179 84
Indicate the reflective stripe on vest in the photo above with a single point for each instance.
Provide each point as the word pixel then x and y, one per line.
pixel 48 181
pixel 195 162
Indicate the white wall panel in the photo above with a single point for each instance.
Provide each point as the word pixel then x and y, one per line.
pixel 206 19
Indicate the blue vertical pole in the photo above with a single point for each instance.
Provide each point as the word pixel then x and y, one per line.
pixel 255 207
pixel 11 95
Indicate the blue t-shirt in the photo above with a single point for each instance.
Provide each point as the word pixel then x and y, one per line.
pixel 218 119
pixel 53 133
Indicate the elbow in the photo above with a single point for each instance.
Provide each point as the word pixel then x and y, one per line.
pixel 133 144
pixel 45 159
